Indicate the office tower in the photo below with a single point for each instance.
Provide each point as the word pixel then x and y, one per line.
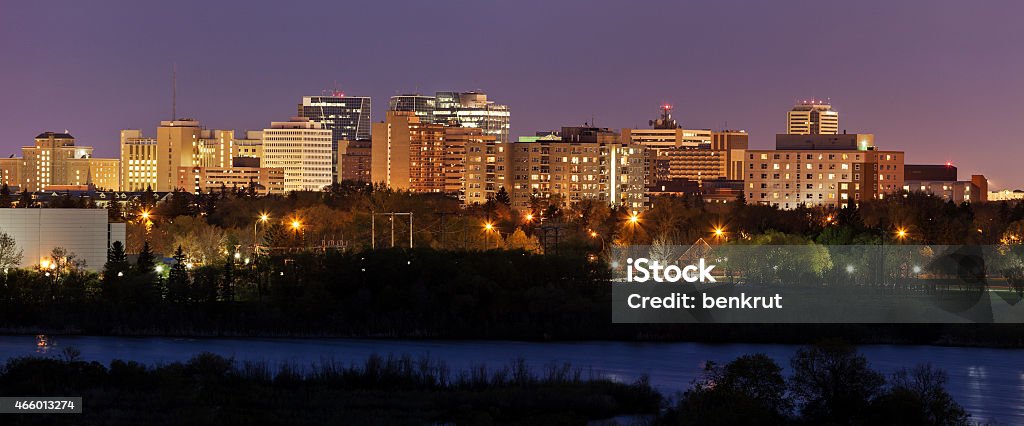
pixel 54 160
pixel 821 170
pixel 422 106
pixel 472 109
pixel 578 163
pixel 303 148
pixel 347 117
pixel 812 118
pixel 408 153
pixel 677 153
pixel 154 162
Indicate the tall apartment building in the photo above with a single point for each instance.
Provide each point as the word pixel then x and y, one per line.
pixel 475 164
pixel 812 118
pixel 821 170
pixel 354 161
pixel 408 153
pixel 303 149
pixel 55 160
pixel 579 163
pixel 347 117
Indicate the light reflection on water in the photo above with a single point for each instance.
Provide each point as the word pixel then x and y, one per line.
pixel 989 383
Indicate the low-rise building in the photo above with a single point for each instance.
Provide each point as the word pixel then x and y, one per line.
pixel 260 180
pixel 86 233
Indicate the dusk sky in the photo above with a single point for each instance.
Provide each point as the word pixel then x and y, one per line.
pixel 941 80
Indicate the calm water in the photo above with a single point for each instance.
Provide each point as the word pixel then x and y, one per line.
pixel 989 383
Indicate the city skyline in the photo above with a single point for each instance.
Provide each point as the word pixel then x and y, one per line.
pixel 905 75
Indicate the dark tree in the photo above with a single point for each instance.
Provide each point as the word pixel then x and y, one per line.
pixel 114 211
pixel 833 382
pixel 25 199
pixel 502 197
pixel 227 285
pixel 5 197
pixel 749 390
pixel 177 278
pixel 146 261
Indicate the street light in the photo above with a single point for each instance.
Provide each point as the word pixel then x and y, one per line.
pixel 488 228
pixel 264 217
pixel 634 218
pixel 529 217
pixel 901 233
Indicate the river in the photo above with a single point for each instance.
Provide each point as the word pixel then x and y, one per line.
pixel 989 383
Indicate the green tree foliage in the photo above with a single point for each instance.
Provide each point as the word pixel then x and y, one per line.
pixel 10 254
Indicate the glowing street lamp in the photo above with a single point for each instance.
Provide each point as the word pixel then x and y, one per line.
pixel 634 218
pixel 264 217
pixel 296 225
pixel 901 233
pixel 529 217
pixel 488 226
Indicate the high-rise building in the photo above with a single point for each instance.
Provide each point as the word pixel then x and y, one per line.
pixel 408 153
pixel 475 164
pixel 472 109
pixel 347 117
pixel 812 118
pixel 677 153
pixel 579 163
pixel 138 161
pixel 821 170
pixel 302 148
pixel 422 105
pixel 734 144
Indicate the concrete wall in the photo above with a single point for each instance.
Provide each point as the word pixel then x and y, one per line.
pixel 84 232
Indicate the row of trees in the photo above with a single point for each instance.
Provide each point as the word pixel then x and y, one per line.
pixel 830 383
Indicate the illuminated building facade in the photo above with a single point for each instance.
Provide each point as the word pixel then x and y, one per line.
pixel 347 117
pixel 812 118
pixel 302 148
pixel 578 163
pixel 821 171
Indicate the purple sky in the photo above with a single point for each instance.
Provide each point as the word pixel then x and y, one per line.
pixel 941 80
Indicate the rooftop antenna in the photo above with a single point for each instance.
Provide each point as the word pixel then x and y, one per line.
pixel 174 91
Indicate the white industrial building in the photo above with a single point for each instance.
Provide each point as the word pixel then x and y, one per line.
pixel 84 232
